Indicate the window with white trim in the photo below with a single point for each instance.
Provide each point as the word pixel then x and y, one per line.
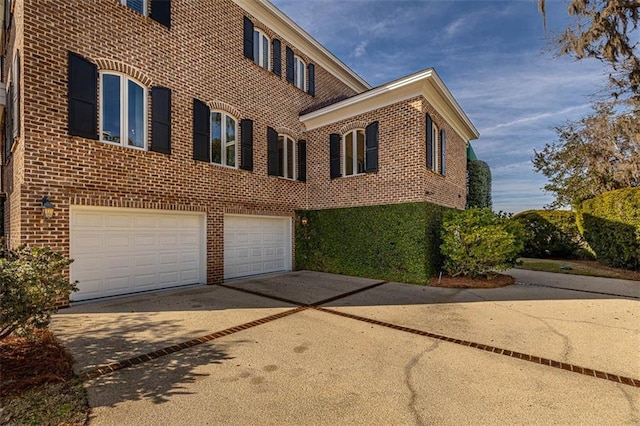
pixel 300 70
pixel 224 131
pixel 287 157
pixel 435 147
pixel 353 153
pixel 261 53
pixel 139 6
pixel 123 111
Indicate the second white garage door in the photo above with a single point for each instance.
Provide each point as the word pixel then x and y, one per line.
pixel 256 245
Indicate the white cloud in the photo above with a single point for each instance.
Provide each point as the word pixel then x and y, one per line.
pixel 360 50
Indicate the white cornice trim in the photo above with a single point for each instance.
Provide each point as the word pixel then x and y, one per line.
pixel 272 17
pixel 425 83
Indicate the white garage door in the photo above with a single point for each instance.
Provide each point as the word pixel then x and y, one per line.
pixel 256 245
pixel 120 251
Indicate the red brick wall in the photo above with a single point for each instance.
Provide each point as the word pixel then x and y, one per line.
pixel 199 57
pixel 402 176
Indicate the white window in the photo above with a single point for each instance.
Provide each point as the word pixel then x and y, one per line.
pixel 123 111
pixel 300 69
pixel 287 157
pixel 435 147
pixel 353 153
pixel 261 45
pixel 224 130
pixel 139 6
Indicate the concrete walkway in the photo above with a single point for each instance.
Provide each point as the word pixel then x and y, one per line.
pixel 313 348
pixel 618 287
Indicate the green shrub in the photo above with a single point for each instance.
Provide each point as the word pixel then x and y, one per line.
pixel 551 234
pixel 31 281
pixel 478 184
pixel 398 242
pixel 611 225
pixel 479 242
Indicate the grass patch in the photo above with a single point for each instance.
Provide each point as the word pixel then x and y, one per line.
pixel 578 267
pixel 38 385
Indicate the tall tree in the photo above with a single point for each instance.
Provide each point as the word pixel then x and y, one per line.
pixel 601 30
pixel 598 153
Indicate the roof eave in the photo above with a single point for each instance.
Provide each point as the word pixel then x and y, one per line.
pixel 425 83
pixel 275 19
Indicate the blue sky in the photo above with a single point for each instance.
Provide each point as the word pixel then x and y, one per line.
pixel 494 57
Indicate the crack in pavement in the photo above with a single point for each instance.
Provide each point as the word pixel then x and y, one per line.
pixel 635 411
pixel 408 369
pixel 568 348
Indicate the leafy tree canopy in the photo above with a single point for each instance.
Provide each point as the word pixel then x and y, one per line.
pixel 602 29
pixel 599 153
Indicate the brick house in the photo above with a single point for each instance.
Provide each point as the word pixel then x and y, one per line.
pixel 177 138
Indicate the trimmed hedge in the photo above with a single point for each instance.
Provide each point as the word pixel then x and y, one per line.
pixel 611 225
pixel 479 242
pixel 551 234
pixel 397 242
pixel 478 184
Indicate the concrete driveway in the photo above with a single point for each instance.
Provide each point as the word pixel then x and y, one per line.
pixel 314 348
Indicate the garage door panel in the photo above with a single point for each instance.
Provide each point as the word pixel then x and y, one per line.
pixel 117 241
pixel 144 242
pixel 168 240
pixel 190 240
pixel 118 252
pixel 87 219
pixel 88 242
pixel 256 245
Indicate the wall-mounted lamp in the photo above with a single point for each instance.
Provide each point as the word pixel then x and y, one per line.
pixel 304 221
pixel 47 207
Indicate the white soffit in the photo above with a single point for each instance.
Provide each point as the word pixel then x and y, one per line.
pixel 272 17
pixel 425 83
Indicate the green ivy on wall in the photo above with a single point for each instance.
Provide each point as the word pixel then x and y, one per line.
pixel 397 242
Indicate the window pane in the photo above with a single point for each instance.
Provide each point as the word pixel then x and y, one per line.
pixel 281 143
pixel 111 108
pixel 231 141
pixel 265 52
pixel 290 158
pixel 216 137
pixel 135 115
pixel 360 151
pixel 349 154
pixel 137 5
pixel 256 47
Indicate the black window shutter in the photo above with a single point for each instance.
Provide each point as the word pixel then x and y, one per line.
pixel 161 12
pixel 429 142
pixel 290 66
pixel 312 79
pixel 201 124
pixel 8 130
pixel 161 120
pixel 371 140
pixel 334 154
pixel 16 97
pixel 246 145
pixel 248 38
pixel 273 165
pixel 302 161
pixel 82 97
pixel 277 57
pixel 443 152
